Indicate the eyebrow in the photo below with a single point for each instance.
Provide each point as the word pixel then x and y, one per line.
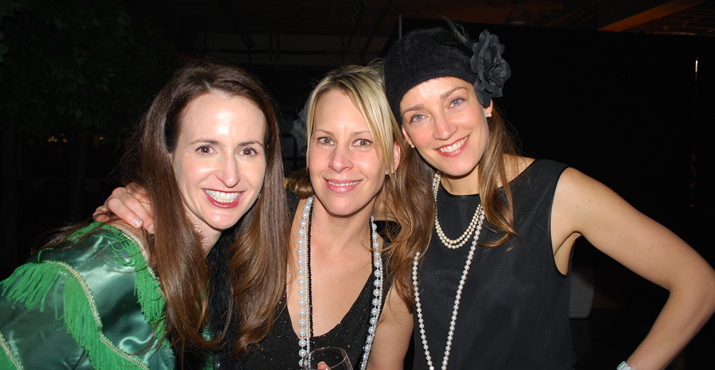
pixel 414 107
pixel 320 131
pixel 449 92
pixel 216 142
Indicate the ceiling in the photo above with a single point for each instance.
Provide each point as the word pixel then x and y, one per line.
pixel 320 31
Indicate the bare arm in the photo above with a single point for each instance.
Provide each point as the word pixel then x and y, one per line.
pixel 130 204
pixel 393 334
pixel 584 206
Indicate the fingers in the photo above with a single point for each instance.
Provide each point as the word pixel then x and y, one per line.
pixel 101 214
pixel 132 205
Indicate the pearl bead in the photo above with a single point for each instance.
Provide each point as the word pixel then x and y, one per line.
pixel 458 296
pixel 304 331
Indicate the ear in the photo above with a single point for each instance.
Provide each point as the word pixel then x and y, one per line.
pixel 396 157
pixel 407 136
pixel 488 110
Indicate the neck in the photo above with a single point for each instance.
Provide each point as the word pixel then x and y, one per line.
pixel 208 241
pixel 464 185
pixel 339 232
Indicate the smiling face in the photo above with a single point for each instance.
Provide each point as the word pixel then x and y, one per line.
pixel 444 120
pixel 219 161
pixel 345 168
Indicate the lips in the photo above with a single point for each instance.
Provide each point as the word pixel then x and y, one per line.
pixel 223 199
pixel 341 186
pixel 454 148
pixel 341 183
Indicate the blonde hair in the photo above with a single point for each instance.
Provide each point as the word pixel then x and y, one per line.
pixel 364 85
pixel 405 196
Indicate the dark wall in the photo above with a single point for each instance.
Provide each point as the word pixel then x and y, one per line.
pixel 624 108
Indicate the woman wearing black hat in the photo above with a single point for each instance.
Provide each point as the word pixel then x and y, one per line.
pixel 492 289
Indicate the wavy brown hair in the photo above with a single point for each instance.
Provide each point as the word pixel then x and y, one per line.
pixel 498 156
pixel 258 254
pixel 494 164
pixel 405 194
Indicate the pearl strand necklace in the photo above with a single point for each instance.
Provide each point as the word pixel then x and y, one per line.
pixel 449 243
pixel 305 321
pixel 455 309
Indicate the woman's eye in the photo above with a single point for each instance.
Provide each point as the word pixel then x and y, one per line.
pixel 456 101
pixel 204 149
pixel 417 118
pixel 362 142
pixel 249 151
pixel 324 140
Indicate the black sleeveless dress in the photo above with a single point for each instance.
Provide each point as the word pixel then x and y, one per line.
pixel 514 307
pixel 280 349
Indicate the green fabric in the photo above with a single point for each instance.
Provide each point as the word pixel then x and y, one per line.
pixel 94 305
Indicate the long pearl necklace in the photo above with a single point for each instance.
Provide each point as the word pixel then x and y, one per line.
pixel 449 243
pixel 305 333
pixel 457 298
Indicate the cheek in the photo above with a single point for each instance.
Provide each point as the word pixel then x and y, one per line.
pixel 254 173
pixel 418 135
pixel 317 159
pixel 181 171
pixel 372 165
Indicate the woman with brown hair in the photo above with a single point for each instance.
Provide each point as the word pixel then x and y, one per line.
pixel 108 296
pixel 492 289
pixel 347 278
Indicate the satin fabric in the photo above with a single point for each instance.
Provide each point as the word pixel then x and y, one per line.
pixel 106 260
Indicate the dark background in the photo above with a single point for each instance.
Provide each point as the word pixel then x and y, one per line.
pixel 628 109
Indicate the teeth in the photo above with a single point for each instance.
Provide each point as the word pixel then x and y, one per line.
pixel 343 184
pixel 453 147
pixel 222 197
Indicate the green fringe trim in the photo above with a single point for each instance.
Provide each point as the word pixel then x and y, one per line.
pixel 30 284
pixel 146 284
pixel 8 359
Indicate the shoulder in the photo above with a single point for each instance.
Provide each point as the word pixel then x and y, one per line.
pixel 518 167
pixel 583 202
pixel 515 165
pixel 98 274
pixel 575 184
pixel 94 244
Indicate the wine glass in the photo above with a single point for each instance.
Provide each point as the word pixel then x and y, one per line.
pixel 327 358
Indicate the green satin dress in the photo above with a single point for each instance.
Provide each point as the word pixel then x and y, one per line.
pixel 90 303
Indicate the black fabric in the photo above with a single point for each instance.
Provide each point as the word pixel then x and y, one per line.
pixel 219 299
pixel 419 57
pixel 221 293
pixel 514 306
pixel 280 349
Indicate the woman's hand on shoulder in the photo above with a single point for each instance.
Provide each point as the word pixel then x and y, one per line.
pixel 130 204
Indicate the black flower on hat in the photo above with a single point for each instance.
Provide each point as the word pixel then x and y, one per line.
pixel 491 69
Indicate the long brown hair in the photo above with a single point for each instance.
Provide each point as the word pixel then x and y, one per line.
pixel 404 192
pixel 499 155
pixel 256 257
pixel 493 166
